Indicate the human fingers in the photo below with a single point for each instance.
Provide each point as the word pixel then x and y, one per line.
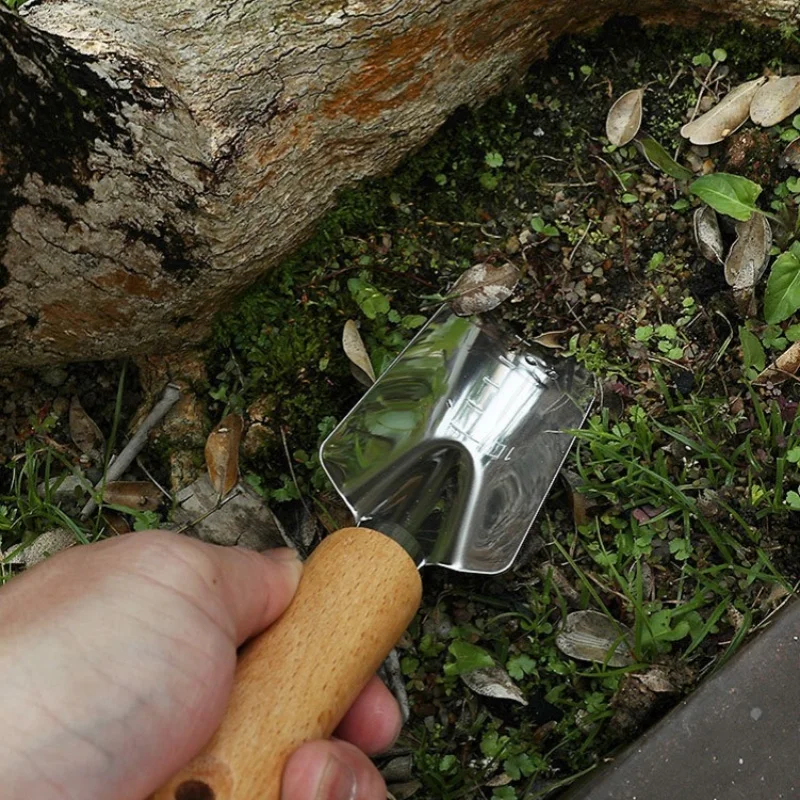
pixel 331 770
pixel 373 722
pixel 241 591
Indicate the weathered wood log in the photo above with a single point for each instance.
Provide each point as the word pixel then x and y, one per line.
pixel 155 157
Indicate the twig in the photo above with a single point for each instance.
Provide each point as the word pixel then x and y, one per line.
pixel 291 470
pixel 137 442
pixel 221 503
pixel 143 468
pixel 393 678
pixel 703 87
pixel 579 242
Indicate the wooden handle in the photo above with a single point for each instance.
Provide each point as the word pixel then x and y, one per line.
pixel 295 682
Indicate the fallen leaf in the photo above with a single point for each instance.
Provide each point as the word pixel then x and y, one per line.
pixel 657 680
pixel 138 495
pixel 736 618
pixel 592 636
pixel 725 117
pixel 46 544
pixel 625 118
pixel 500 779
pixel 550 572
pixel 400 768
pixel 659 158
pixel 244 519
pixel 116 523
pixel 222 454
pixel 354 349
pixel 748 257
pixel 494 682
pixel 483 287
pixel 83 430
pixel 551 339
pixel 403 791
pixel 776 100
pixel 785 365
pixel 790 156
pixel 707 234
pixel 580 502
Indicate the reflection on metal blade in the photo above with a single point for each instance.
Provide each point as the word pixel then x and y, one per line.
pixel 454 449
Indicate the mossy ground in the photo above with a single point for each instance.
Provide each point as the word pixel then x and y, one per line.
pixel 687 540
pixel 674 519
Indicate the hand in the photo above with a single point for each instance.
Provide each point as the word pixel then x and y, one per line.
pixel 117 660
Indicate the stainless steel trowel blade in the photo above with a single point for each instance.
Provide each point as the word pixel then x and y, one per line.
pixel 454 449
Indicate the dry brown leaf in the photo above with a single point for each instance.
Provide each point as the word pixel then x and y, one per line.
pixel 550 572
pixel 43 546
pixel 403 791
pixel 579 501
pixel 116 523
pixel 483 287
pixel 138 495
pixel 790 156
pixel 83 430
pixel 222 454
pixel 551 339
pixel 657 680
pixel 501 779
pixel 592 636
pixel 726 117
pixel 399 769
pixel 494 682
pixel 748 257
pixel 707 234
pixel 625 118
pixel 777 99
pixel 785 365
pixel 355 350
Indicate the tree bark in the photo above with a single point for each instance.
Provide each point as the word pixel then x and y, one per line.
pixel 155 157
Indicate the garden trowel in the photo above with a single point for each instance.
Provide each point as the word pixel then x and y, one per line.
pixel 445 460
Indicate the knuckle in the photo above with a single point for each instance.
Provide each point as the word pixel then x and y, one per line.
pixel 176 561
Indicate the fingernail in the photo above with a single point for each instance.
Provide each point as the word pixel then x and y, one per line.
pixel 288 559
pixel 338 781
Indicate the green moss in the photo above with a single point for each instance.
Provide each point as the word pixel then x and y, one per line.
pixel 467 196
pixel 283 338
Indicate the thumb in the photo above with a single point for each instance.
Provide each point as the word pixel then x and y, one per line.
pixel 255 588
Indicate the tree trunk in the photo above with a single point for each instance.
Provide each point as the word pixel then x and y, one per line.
pixel 155 157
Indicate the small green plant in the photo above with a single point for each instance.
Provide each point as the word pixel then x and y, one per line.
pixel 466 658
pixel 754 358
pixel 728 194
pixel 665 337
pixel 543 228
pixel 370 300
pixel 782 296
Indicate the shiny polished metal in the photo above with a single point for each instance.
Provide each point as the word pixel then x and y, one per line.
pixel 454 449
